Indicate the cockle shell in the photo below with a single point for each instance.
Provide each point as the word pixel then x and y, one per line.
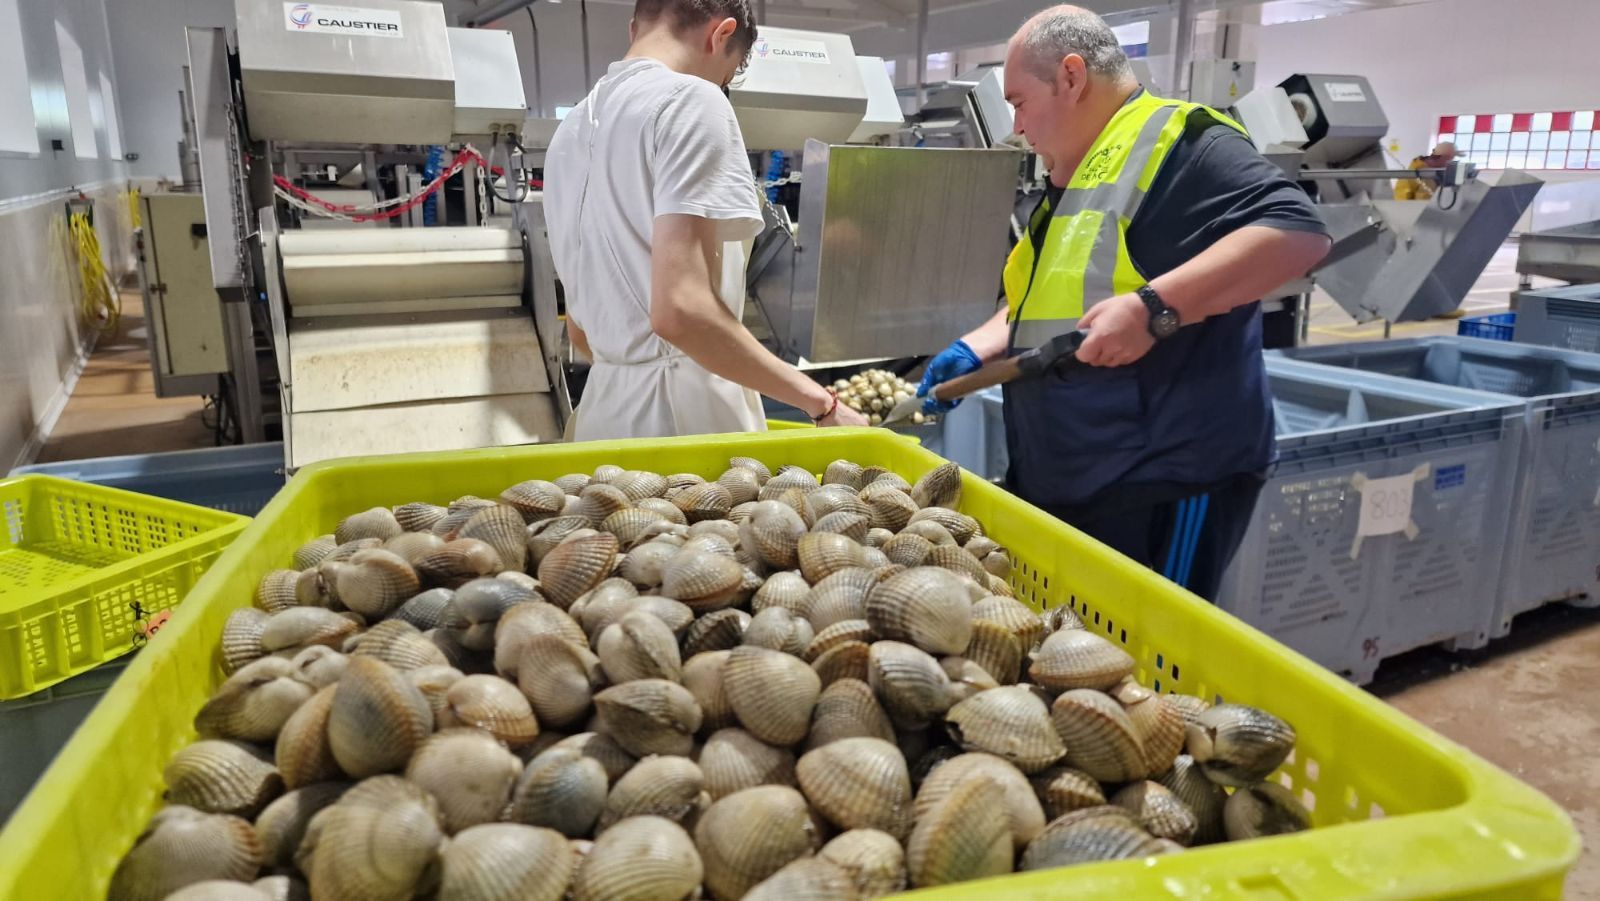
pixel 304 755
pixel 843 472
pixel 927 530
pixel 316 550
pixel 772 532
pixel 252 710
pixel 923 606
pixel 771 693
pixel 572 483
pixel 1091 834
pixel 907 549
pixel 546 534
pixel 821 554
pixel 1062 790
pixel 458 562
pixel 733 760
pixel 535 499
pixel 719 630
pixel 966 678
pixel 456 515
pixel 960 526
pixel 399 644
pixel 840 596
pixel 1015 616
pixel 786 589
pixel 639 646
pixel 376 850
pixel 912 686
pixel 965 836
pixel 602 749
pixel 183 846
pixel 561 789
pixel 751 834
pixel 418 516
pixel 997 650
pixel 779 630
pixel 705 581
pixel 302 626
pixel 1009 722
pixel 834 635
pixel 505 862
pixel 468 772
pixel 1157 724
pixel 1238 745
pixel 702 675
pixel 413 546
pixel 649 716
pixel 1024 815
pixel 241 637
pixel 1158 810
pixel 559 679
pixel 847 523
pixel 521 623
pixel 1078 659
pixel 490 704
pixel 378 718
pixel 845 660
pixel 848 709
pixel 707 500
pixel 1204 798
pixel 741 484
pixel 222 777
pixel 639 859
pixel 807 877
pixel 830 499
pixel 631 525
pixel 858 783
pixel 670 787
pixel 282 824
pixel 575 566
pixel 1265 808
pixel 939 487
pixel 890 507
pixel 485 600
pixel 276 590
pixel 874 860
pixel 377 522
pixel 1099 737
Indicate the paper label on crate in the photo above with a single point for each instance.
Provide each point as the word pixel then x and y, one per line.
pixel 1385 506
pixel 326 18
pixel 1345 92
pixel 792 50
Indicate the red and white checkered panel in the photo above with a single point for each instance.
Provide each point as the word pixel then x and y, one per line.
pixel 1569 139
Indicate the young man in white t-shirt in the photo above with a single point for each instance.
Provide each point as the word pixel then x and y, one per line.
pixel 648 196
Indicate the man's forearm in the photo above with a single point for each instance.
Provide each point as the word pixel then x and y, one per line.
pixel 989 340
pixel 1239 269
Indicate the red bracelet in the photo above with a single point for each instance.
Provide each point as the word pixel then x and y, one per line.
pixel 832 405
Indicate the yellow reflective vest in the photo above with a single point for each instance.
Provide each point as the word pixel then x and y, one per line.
pixel 1084 255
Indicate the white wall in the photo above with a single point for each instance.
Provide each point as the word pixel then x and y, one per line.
pixel 41 341
pixel 1450 57
pixel 151 52
pixel 560 70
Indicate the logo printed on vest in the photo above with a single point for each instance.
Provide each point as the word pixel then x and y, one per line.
pixel 1097 168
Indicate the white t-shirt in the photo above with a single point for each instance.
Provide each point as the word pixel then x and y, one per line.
pixel 646 142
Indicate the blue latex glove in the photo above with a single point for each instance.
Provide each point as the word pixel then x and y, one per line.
pixel 955 360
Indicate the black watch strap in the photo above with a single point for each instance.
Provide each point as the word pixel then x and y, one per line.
pixel 1163 319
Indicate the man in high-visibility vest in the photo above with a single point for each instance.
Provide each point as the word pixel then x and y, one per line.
pixel 1161 228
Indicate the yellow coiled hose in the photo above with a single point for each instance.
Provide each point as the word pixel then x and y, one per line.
pixel 100 306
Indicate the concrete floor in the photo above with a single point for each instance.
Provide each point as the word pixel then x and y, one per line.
pixel 1526 703
pixel 114 409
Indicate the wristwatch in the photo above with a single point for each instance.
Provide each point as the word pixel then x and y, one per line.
pixel 1163 319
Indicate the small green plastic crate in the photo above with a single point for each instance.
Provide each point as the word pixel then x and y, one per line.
pixel 74 560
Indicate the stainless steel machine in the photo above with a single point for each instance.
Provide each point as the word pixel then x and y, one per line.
pixel 1392 260
pixel 894 250
pixel 321 136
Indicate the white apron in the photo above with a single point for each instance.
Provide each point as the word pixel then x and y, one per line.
pixel 672 394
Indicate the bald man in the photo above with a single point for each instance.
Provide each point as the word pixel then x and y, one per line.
pixel 1422 188
pixel 1161 228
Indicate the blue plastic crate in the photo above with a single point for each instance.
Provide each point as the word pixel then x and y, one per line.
pixel 1301 575
pixel 1552 546
pixel 1494 327
pixel 239 479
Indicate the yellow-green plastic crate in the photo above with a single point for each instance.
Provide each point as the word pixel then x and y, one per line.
pixel 76 557
pixel 1401 812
